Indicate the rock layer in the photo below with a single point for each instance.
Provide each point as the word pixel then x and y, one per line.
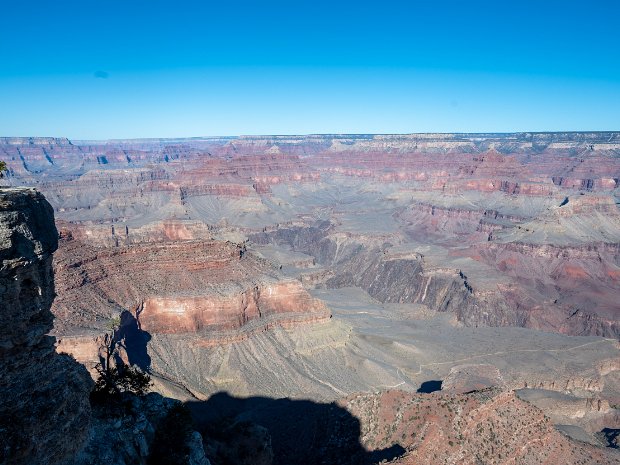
pixel 194 286
pixel 487 206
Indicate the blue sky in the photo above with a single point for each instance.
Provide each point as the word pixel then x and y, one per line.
pixel 95 69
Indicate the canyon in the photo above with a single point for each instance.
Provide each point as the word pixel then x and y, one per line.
pixel 353 271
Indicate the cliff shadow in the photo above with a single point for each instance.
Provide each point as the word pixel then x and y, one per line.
pixel 134 340
pixel 610 437
pixel 430 386
pixel 301 431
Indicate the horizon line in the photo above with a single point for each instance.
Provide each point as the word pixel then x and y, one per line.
pixel 327 134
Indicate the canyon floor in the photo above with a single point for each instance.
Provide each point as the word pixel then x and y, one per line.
pixel 322 268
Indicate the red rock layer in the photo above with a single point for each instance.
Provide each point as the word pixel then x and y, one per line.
pixel 525 175
pixel 185 286
pixel 232 311
pixel 490 426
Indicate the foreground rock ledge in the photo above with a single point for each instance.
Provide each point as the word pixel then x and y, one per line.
pixel 44 407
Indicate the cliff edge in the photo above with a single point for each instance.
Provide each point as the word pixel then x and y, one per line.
pixel 44 406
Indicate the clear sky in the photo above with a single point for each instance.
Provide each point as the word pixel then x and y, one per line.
pixel 95 69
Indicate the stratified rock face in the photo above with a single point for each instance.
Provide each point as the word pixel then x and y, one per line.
pixel 280 302
pixel 507 229
pixel 44 408
pixel 192 286
pixel 390 276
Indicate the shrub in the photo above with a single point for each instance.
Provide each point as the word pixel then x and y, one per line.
pixel 115 380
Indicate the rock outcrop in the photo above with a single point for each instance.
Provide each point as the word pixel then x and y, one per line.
pixel 488 426
pixel 191 286
pixel 44 407
pixel 131 437
pixel 45 412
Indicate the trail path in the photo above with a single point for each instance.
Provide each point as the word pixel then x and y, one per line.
pixel 504 352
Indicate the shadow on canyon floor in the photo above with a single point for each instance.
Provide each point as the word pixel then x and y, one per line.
pixel 430 386
pixel 302 431
pixel 611 437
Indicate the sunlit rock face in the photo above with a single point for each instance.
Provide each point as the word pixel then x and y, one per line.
pixel 280 303
pixel 44 408
pixel 194 286
pixel 478 427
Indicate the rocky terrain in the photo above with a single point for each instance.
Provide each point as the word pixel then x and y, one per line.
pixel 486 426
pixel 44 408
pixel 318 267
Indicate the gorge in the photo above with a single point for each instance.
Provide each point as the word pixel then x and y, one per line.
pixel 343 270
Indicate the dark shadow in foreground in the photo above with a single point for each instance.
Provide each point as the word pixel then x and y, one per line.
pixel 430 386
pixel 301 432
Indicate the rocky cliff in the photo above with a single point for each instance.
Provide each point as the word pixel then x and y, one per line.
pixel 44 407
pixel 392 276
pixel 181 286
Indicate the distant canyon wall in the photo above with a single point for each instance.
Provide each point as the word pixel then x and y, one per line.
pixel 537 211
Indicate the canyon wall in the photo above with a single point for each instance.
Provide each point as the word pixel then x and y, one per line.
pixel 44 407
pixel 499 229
pixel 215 250
pixel 391 276
pixel 211 289
pixel 46 416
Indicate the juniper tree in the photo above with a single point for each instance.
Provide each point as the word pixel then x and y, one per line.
pixel 114 376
